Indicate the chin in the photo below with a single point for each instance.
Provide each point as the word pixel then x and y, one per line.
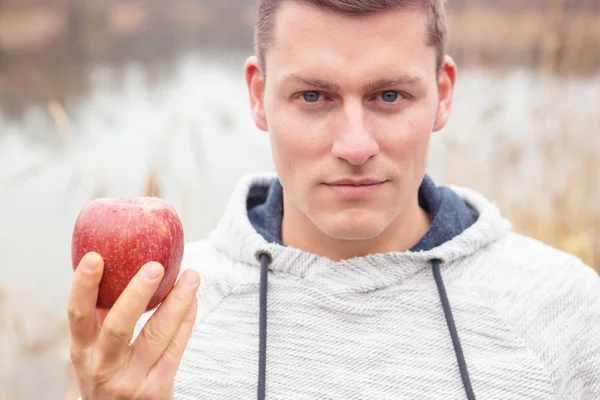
pixel 358 225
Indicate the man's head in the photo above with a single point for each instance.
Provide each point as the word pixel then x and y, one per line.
pixel 347 97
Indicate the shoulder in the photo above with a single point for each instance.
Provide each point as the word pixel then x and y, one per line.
pixel 527 269
pixel 519 257
pixel 541 290
pixel 551 296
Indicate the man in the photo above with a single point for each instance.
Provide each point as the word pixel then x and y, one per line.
pixel 350 274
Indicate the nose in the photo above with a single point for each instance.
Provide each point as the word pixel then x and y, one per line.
pixel 354 143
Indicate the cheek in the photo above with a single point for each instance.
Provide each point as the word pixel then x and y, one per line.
pixel 282 148
pixel 297 141
pixel 409 138
pixel 291 148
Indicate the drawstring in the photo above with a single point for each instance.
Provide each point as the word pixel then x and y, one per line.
pixel 265 260
pixel 462 365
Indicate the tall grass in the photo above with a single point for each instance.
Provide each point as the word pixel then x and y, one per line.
pixel 530 142
pixel 556 36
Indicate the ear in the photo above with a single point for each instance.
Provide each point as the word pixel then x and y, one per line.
pixel 446 82
pixel 256 87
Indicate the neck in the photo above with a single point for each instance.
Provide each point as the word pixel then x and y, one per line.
pixel 401 235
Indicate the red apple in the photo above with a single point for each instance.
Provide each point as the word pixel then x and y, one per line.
pixel 128 233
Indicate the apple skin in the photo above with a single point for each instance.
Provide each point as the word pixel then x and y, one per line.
pixel 127 233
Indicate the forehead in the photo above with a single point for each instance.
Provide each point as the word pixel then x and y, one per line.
pixel 309 39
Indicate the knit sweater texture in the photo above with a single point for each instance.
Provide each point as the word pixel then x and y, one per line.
pixel 372 327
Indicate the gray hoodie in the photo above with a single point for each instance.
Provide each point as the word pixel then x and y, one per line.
pixel 489 313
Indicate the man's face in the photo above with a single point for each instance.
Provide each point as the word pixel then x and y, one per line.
pixel 350 103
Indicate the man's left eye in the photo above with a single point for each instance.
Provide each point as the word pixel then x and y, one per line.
pixel 311 96
pixel 390 96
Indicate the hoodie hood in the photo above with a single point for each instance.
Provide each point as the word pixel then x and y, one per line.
pixel 237 238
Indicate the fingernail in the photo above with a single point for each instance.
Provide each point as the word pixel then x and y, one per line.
pixel 192 280
pixel 90 262
pixel 152 271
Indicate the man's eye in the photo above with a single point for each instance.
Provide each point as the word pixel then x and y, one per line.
pixel 390 96
pixel 311 97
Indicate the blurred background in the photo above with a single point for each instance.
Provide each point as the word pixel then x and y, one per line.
pixel 146 97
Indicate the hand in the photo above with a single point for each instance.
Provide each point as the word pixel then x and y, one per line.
pixel 107 364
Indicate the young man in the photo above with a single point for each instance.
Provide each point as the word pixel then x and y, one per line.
pixel 350 274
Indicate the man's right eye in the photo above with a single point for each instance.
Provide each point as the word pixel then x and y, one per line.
pixel 311 97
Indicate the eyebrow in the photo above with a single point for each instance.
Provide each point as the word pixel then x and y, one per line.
pixel 372 86
pixel 400 80
pixel 312 82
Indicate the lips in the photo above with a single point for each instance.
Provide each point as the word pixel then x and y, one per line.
pixel 356 182
pixel 356 188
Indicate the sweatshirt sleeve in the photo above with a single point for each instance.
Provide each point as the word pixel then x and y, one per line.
pixel 579 365
pixel 552 300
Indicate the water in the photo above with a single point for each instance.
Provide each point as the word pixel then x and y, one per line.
pixel 192 136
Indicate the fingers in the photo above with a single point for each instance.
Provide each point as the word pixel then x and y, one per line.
pixel 119 324
pixel 81 308
pixel 163 326
pixel 167 365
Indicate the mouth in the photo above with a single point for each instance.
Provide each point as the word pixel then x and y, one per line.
pixel 355 188
pixel 356 182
